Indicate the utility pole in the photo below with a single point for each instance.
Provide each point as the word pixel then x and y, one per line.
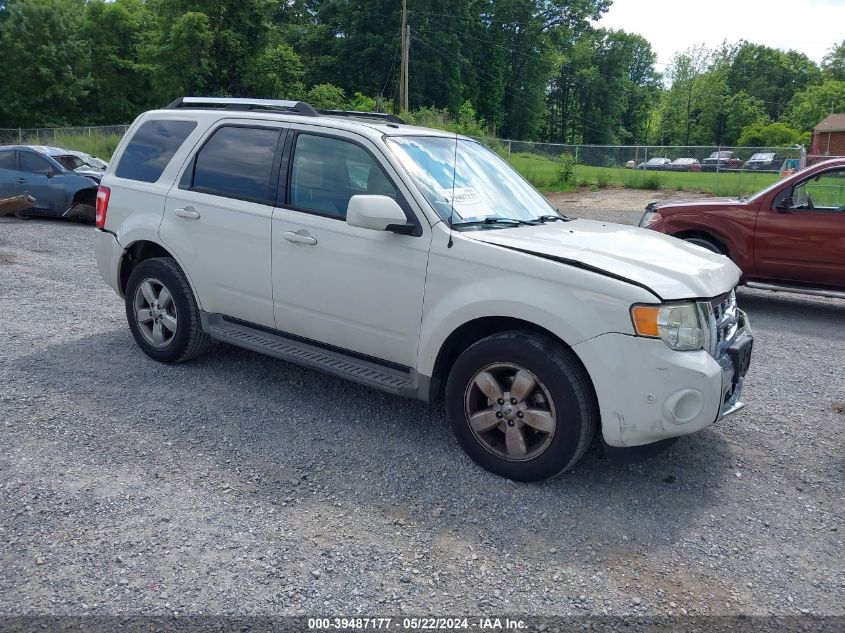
pixel 403 66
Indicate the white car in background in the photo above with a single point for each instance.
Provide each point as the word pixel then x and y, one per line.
pixel 417 262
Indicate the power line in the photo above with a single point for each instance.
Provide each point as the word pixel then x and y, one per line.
pixel 390 72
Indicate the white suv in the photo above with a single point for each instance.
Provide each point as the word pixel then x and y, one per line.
pixel 417 262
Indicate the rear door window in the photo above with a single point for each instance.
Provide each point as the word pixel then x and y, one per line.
pixel 35 164
pixel 8 160
pixel 237 162
pixel 151 148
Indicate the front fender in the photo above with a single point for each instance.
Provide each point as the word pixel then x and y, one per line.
pixel 571 303
pixel 739 248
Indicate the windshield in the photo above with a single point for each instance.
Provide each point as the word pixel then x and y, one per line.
pixel 485 186
pixel 69 162
pixel 762 156
pixel 93 161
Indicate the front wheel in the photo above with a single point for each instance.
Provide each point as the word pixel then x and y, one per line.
pixel 704 242
pixel 162 312
pixel 521 406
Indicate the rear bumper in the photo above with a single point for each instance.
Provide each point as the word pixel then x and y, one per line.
pixel 649 393
pixel 108 252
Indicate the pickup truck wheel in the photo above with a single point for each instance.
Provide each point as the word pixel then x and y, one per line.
pixel 710 245
pixel 162 312
pixel 521 406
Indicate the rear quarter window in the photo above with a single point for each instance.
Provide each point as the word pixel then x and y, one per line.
pixel 151 148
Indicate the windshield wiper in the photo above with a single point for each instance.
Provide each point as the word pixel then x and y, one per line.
pixel 553 218
pixel 494 221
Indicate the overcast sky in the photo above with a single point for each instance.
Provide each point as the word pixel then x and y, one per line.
pixel 808 26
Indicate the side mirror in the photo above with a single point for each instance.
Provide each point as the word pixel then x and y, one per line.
pixel 786 204
pixel 378 213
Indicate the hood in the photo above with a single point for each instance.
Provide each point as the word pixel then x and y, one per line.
pixel 668 267
pixel 93 174
pixel 696 203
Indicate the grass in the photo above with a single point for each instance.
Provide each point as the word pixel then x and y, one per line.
pixel 99 145
pixel 542 173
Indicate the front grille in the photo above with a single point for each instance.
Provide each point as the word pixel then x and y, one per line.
pixel 725 323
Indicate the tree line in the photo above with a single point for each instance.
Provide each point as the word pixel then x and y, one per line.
pixel 521 69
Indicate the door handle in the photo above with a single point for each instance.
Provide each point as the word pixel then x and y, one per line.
pixel 299 238
pixel 188 213
pixel 21 181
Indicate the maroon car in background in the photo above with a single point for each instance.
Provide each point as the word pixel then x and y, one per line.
pixel 718 161
pixel 789 236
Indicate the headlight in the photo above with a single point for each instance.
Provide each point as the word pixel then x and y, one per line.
pixel 649 218
pixel 676 324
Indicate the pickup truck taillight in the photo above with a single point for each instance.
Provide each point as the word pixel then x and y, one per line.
pixel 103 194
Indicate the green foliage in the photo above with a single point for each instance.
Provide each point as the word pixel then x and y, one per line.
pixel 643 180
pixel 117 35
pixel 602 180
pixel 812 105
pixel 770 135
pixel 467 122
pixel 603 89
pixel 277 73
pixel 46 68
pixel 99 145
pixel 326 96
pixel 566 169
pixel 833 64
pixel 209 46
pixel 771 75
pixel 520 69
pixel 184 60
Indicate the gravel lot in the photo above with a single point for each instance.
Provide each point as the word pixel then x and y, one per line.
pixel 238 484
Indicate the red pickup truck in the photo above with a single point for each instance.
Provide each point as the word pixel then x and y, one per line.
pixel 789 236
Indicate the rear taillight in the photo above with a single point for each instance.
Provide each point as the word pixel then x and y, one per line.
pixel 103 194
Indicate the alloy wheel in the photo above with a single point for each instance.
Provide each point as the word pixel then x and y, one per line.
pixel 155 312
pixel 510 411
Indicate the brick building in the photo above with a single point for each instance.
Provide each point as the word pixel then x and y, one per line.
pixel 829 137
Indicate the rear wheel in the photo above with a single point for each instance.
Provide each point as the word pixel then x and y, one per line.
pixel 162 312
pixel 521 406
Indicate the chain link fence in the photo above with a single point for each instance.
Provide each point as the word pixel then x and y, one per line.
pixel 716 169
pixel 56 135
pixel 685 158
pixel 719 170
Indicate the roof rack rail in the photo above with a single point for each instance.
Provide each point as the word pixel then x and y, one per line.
pixel 391 118
pixel 232 103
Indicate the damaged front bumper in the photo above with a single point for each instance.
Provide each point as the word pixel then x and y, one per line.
pixel 729 340
pixel 648 393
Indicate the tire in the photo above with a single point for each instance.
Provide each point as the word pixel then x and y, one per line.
pixel 562 400
pixel 178 320
pixel 704 242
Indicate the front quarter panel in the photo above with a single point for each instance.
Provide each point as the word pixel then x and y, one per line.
pixel 474 280
pixel 734 228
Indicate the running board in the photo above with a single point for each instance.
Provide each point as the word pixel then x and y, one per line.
pixel 373 374
pixel 817 292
